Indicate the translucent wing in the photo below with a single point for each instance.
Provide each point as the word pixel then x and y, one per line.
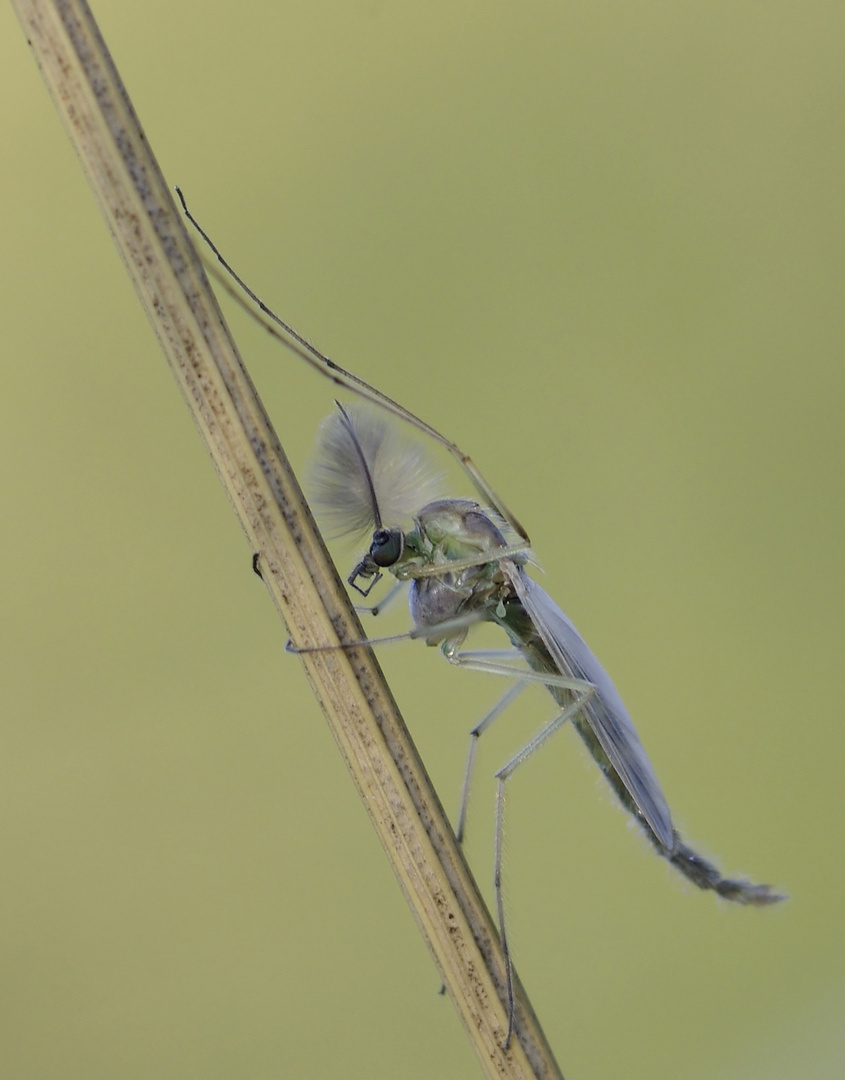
pixel 605 712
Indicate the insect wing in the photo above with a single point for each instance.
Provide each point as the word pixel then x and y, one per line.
pixel 605 711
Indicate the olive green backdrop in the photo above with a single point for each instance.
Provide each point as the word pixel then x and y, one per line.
pixel 600 245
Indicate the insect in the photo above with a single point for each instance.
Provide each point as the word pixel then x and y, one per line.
pixel 467 563
pixel 464 569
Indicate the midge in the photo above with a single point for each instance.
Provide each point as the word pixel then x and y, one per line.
pixel 465 569
pixel 466 563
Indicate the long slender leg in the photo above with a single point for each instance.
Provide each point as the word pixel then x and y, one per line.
pixel 500 908
pixel 456 627
pixel 583 692
pixel 473 662
pixel 389 597
pixel 474 735
pixel 302 347
pixel 481 558
pixel 502 777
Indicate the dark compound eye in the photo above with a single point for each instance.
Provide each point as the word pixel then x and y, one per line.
pixel 387 546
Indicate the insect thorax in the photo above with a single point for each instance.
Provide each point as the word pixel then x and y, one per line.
pixel 448 530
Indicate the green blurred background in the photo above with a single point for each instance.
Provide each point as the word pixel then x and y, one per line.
pixel 600 245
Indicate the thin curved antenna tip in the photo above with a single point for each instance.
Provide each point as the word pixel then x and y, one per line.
pixel 365 468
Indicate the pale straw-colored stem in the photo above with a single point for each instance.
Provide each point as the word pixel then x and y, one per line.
pixel 150 235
